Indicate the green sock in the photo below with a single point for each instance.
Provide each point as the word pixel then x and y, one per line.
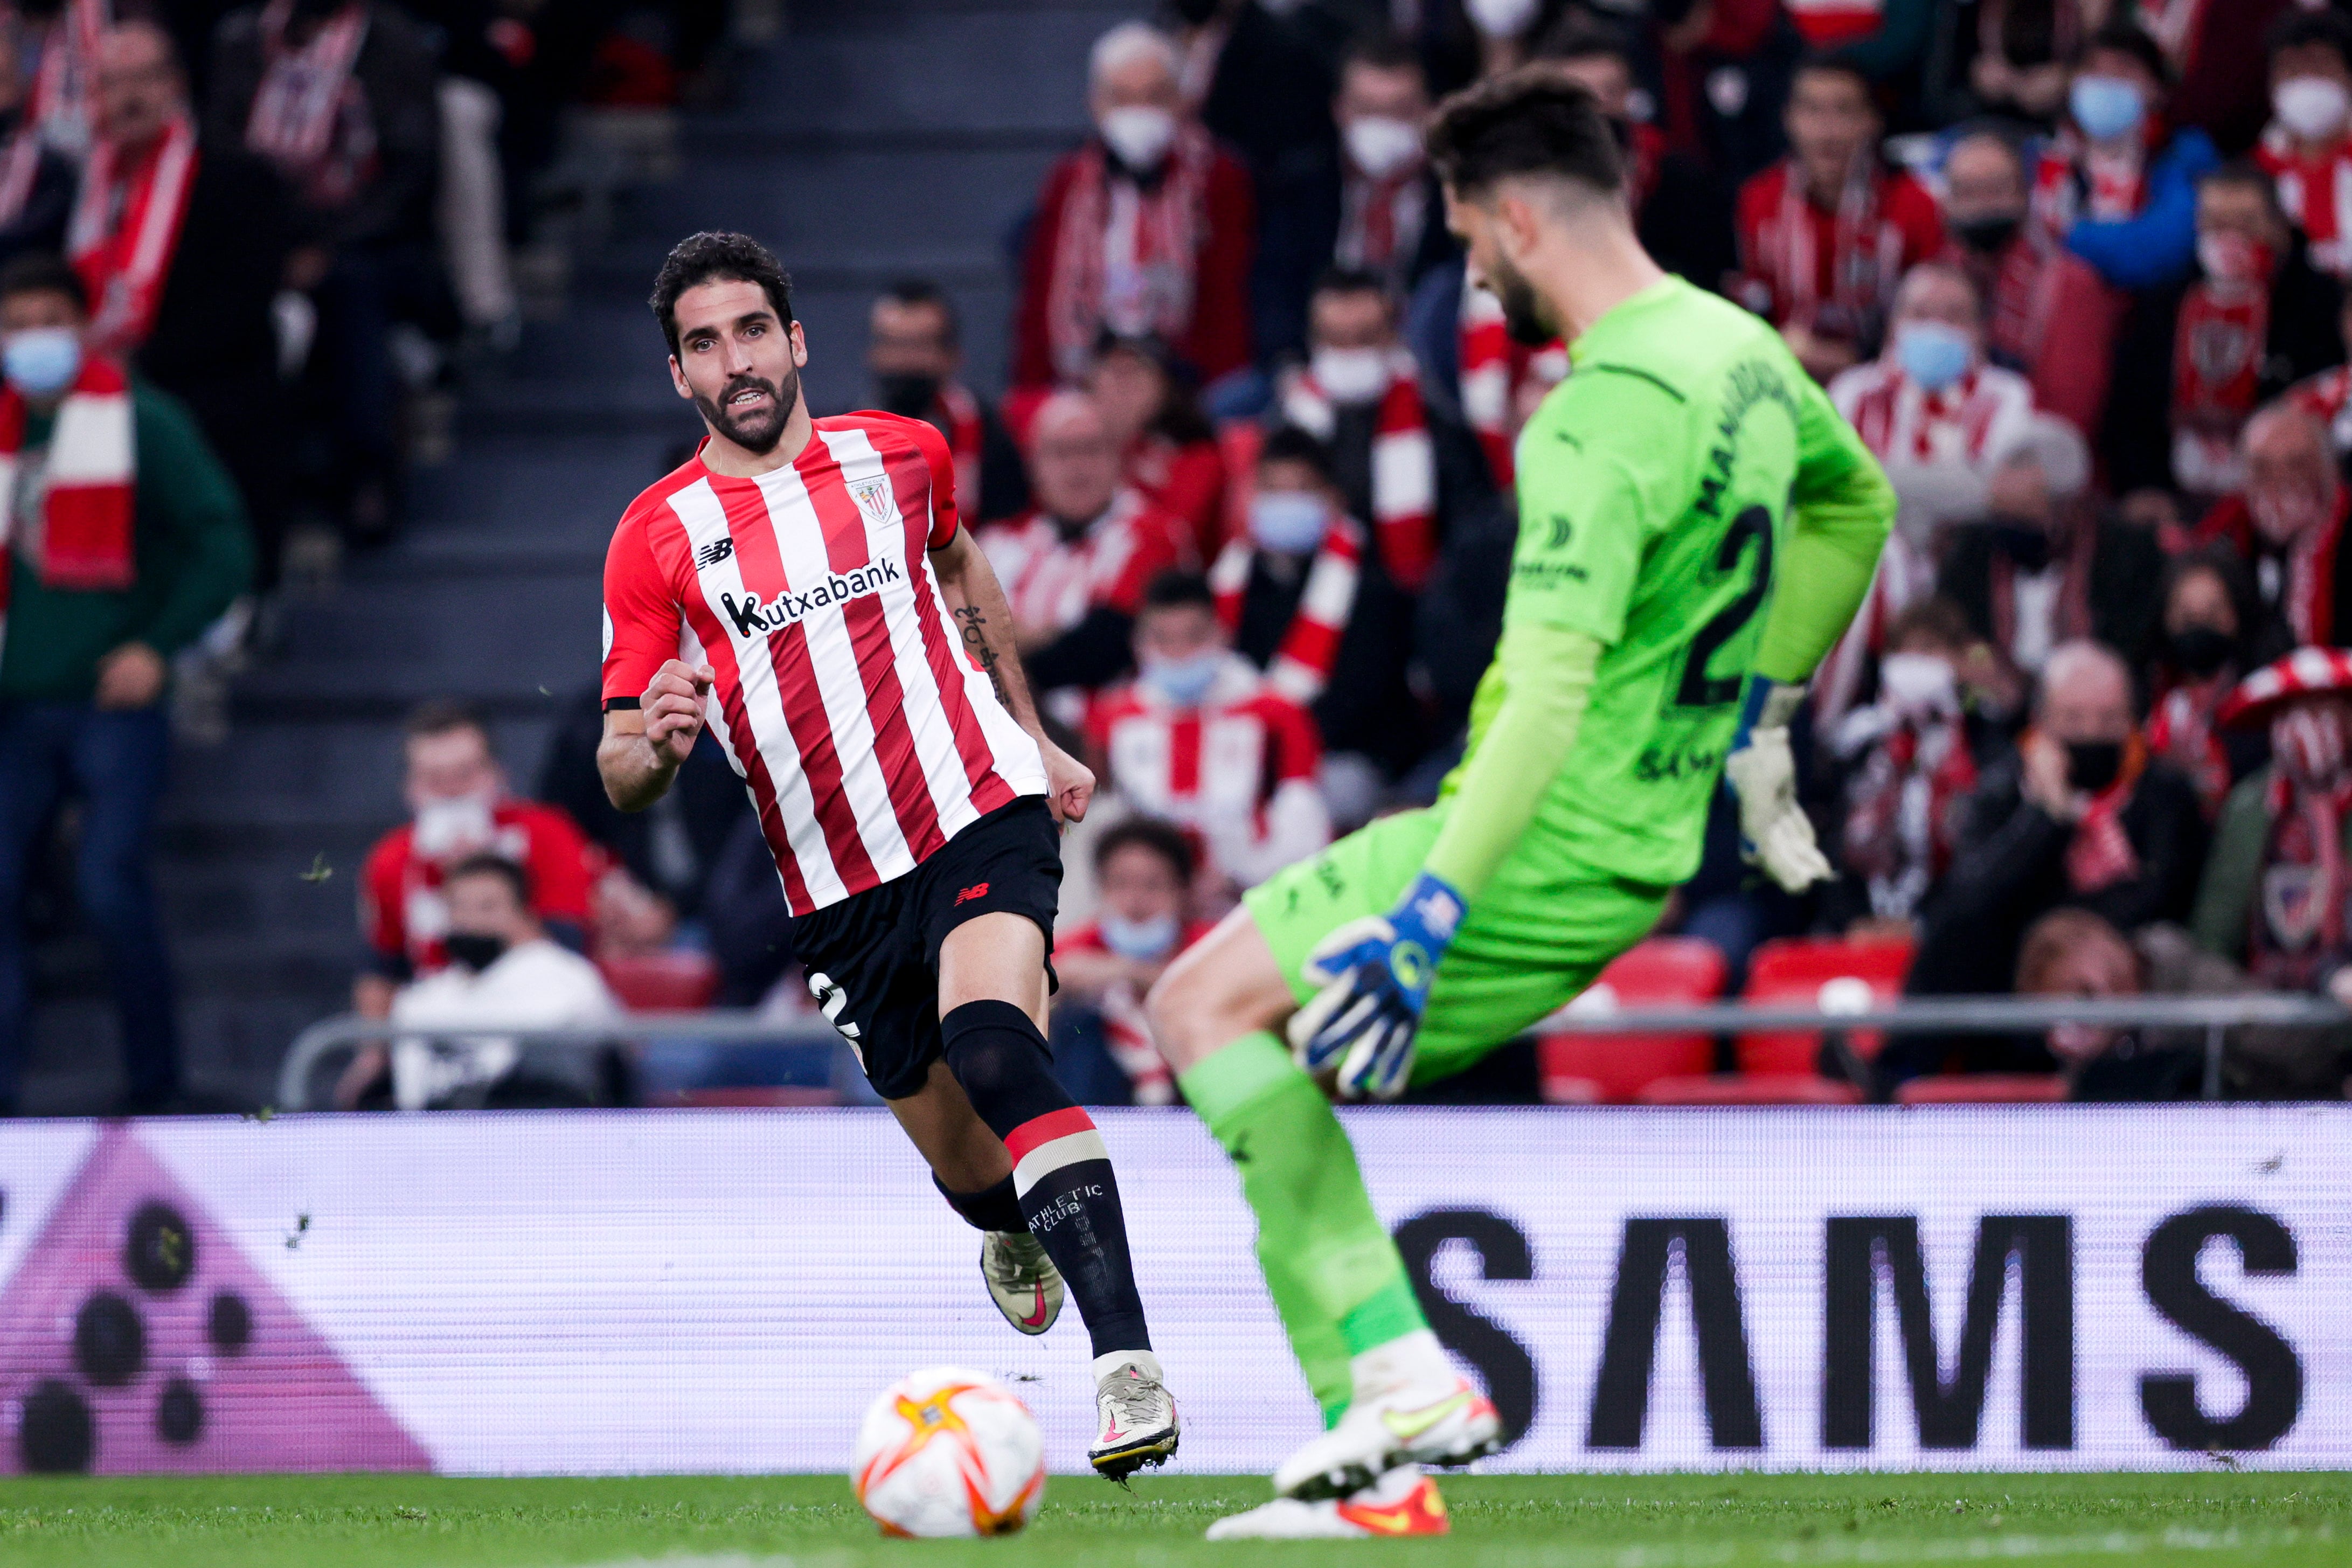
pixel 1333 1270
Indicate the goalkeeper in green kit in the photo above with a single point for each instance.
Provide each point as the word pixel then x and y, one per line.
pixel 1696 527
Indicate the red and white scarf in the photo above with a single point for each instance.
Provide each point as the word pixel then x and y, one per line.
pixel 2217 368
pixel 1500 380
pixel 125 229
pixel 1903 805
pixel 309 116
pixel 20 165
pixel 2297 924
pixel 1865 258
pixel 1404 465
pixel 2305 587
pixel 2181 731
pixel 80 536
pixel 2316 193
pixel 956 412
pixel 1126 254
pixel 2070 608
pixel 1380 221
pixel 2021 289
pixel 1303 660
pixel 58 107
pixel 2100 854
pixel 2074 180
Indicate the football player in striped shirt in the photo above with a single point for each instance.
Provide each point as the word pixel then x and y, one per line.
pixel 806 588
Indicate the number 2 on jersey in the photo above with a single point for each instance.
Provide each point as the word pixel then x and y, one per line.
pixel 1700 689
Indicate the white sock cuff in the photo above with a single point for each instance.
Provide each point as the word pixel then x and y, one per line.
pixel 1107 1365
pixel 1407 1360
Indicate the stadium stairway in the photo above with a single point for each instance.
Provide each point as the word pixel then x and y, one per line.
pixel 878 138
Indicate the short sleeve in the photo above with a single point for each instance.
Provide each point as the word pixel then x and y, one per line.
pixel 1585 514
pixel 641 616
pixel 945 518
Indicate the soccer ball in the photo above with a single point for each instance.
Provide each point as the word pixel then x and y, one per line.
pixel 949 1452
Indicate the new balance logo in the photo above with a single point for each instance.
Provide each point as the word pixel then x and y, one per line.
pixel 788 608
pixel 712 553
pixel 977 890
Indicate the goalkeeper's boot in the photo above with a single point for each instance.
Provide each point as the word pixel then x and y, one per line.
pixel 1410 1407
pixel 1021 1280
pixel 1138 1425
pixel 1403 1502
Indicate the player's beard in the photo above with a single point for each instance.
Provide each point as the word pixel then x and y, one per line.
pixel 757 433
pixel 1522 306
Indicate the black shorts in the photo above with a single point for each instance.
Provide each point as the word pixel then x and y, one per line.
pixel 873 959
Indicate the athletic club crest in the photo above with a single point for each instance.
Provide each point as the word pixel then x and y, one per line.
pixel 873 498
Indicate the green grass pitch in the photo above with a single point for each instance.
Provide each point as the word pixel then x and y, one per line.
pixel 1522 1522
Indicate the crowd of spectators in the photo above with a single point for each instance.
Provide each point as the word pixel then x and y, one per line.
pixel 2075 272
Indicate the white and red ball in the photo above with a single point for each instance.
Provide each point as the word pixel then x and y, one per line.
pixel 945 1452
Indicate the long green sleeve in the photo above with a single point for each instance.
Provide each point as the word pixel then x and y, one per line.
pixel 188 498
pixel 1844 508
pixel 1548 680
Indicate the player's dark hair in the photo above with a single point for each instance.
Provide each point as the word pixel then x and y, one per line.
pixel 488 863
pixel 40 272
pixel 1382 49
pixel 714 257
pixel 440 715
pixel 2122 36
pixel 914 293
pixel 1152 835
pixel 1289 443
pixel 1527 122
pixel 2299 29
pixel 1577 37
pixel 1177 588
pixel 1350 280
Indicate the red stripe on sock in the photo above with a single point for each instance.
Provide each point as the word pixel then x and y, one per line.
pixel 1045 1130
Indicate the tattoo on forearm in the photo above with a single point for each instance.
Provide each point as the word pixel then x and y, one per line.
pixel 975 637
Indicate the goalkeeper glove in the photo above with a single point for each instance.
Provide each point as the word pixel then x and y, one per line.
pixel 1762 771
pixel 1376 974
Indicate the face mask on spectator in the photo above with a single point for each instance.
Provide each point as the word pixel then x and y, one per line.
pixel 41 361
pixel 1932 353
pixel 1140 939
pixel 1288 523
pixel 1139 134
pixel 1350 375
pixel 1501 19
pixel 2093 765
pixel 2106 106
pixel 2230 258
pixel 1184 681
pixel 1988 235
pixel 1382 145
pixel 2311 105
pixel 1918 683
pixel 454 825
pixel 908 396
pixel 2309 743
pixel 474 949
pixel 2200 650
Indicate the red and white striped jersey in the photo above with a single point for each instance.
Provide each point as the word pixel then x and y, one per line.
pixel 2316 193
pixel 1051 581
pixel 867 736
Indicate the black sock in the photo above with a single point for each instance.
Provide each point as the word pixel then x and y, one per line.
pixel 993 1208
pixel 1060 1168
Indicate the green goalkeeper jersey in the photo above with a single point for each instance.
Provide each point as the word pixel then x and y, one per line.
pixel 1686 470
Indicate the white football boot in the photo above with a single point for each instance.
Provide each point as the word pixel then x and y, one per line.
pixel 1403 1502
pixel 1410 1407
pixel 1021 1280
pixel 1138 1414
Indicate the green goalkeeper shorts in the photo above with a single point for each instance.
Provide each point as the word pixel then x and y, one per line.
pixel 1534 938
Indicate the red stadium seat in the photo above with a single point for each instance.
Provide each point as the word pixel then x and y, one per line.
pixel 1811 972
pixel 1751 1089
pixel 662 982
pixel 1668 970
pixel 1984 1089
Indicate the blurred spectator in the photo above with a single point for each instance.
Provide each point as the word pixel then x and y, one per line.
pixel 59 40
pixel 1884 39
pixel 2215 48
pixel 458 795
pixel 339 95
pixel 1907 765
pixel 1359 393
pixel 2288 526
pixel 1147 230
pixel 1143 918
pixel 36 181
pixel 629 919
pixel 1201 740
pixel 2209 608
pixel 2257 319
pixel 1500 380
pixel 1259 76
pixel 1724 72
pixel 471 205
pixel 1168 449
pixel 502 971
pixel 127 545
pixel 673 845
pixel 1294 593
pixel 2307 147
pixel 1075 568
pixel 2044 568
pixel 1372 206
pixel 2118 185
pixel 1825 236
pixel 914 348
pixel 2081 817
pixel 2022 48
pixel 2046 312
pixel 2328 395
pixel 1463 41
pixel 185 250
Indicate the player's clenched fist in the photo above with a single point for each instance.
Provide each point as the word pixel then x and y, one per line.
pixel 1069 783
pixel 673 708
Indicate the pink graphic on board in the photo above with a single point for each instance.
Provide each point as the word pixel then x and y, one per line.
pixel 135 1337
